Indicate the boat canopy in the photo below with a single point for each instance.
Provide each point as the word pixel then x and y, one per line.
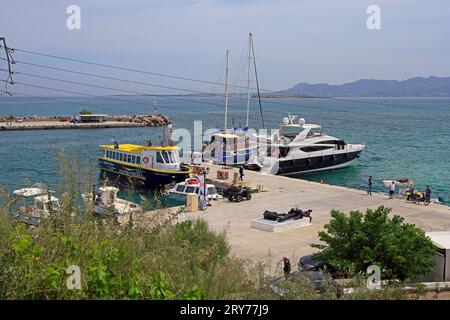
pixel 226 135
pixel 30 192
pixel 133 148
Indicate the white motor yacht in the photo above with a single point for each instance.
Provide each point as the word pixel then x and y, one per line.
pixel 298 147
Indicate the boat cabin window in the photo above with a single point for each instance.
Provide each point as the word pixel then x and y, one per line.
pixel 190 189
pixel 53 204
pixel 339 144
pixel 315 148
pixel 39 205
pixel 166 157
pixel 133 159
pixel 212 190
pixel 159 158
pixel 138 160
pixel 180 188
pixel 172 156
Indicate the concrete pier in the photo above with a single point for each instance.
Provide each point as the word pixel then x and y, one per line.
pixel 62 122
pixel 52 125
pixel 282 193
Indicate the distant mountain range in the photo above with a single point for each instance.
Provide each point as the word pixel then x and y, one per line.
pixel 414 87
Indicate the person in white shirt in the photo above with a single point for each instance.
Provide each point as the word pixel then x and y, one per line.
pixel 391 189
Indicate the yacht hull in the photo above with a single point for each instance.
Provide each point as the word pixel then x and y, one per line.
pixel 319 163
pixel 139 177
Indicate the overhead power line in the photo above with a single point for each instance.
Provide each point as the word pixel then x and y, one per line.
pixel 333 109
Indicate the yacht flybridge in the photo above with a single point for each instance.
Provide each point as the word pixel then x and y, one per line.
pixel 298 147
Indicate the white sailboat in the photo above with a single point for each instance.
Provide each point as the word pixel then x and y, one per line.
pixel 233 146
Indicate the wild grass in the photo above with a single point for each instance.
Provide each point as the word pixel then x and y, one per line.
pixel 164 259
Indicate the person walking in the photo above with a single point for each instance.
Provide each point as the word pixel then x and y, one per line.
pixel 241 173
pixel 286 267
pixel 369 183
pixel 391 190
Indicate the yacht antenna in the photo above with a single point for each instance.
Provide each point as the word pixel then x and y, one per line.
pixel 257 83
pixel 226 91
pixel 248 74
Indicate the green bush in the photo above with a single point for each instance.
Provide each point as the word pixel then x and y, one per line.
pixel 352 242
pixel 85 111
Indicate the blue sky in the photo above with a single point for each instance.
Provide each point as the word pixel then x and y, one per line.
pixel 296 41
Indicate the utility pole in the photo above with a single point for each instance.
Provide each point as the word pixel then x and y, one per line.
pixel 10 61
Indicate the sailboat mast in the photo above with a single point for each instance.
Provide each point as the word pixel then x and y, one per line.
pixel 257 85
pixel 248 74
pixel 226 91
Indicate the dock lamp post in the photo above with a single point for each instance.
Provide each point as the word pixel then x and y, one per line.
pixel 204 171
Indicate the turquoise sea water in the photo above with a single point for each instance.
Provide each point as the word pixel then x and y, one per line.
pixel 404 137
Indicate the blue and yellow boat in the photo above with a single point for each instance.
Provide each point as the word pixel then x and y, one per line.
pixel 145 166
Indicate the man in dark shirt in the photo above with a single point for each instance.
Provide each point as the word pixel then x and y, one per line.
pixel 428 193
pixel 241 173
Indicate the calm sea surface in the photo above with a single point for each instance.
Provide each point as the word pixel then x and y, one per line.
pixel 404 137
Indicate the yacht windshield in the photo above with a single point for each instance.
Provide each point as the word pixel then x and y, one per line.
pixel 291 132
pixel 315 132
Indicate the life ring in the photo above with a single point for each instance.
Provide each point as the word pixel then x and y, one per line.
pixel 145 160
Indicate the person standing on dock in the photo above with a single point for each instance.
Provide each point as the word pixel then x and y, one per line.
pixel 428 193
pixel 369 190
pixel 391 190
pixel 241 173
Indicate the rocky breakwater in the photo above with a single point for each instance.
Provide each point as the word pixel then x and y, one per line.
pixel 151 120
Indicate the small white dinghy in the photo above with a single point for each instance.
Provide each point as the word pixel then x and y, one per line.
pixel 404 182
